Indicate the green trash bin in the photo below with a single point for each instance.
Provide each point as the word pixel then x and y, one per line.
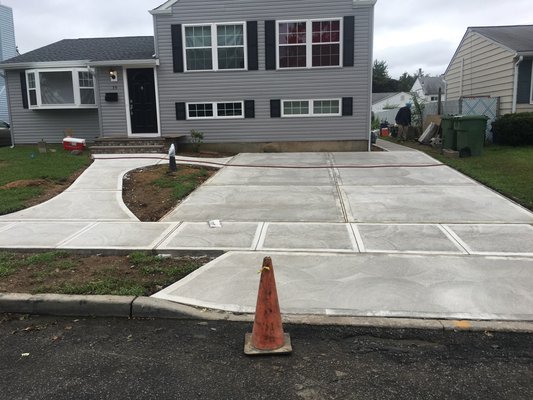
pixel 449 135
pixel 470 134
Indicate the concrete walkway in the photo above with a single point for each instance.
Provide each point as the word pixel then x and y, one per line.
pixel 385 233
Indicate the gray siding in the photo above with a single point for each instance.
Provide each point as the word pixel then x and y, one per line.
pixel 112 114
pixel 262 85
pixel 30 126
pixel 8 49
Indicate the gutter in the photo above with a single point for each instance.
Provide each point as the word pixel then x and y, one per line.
pixel 515 83
pixel 114 63
pixel 48 64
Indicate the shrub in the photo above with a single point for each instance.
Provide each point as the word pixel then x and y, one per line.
pixel 513 129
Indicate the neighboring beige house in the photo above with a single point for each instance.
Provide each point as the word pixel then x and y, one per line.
pixel 387 101
pixel 494 61
pixel 427 88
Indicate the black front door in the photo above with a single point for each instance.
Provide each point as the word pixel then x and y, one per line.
pixel 143 108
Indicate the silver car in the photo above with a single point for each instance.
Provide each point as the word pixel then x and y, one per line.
pixel 5 134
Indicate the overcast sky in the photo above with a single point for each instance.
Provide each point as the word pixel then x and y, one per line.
pixel 409 34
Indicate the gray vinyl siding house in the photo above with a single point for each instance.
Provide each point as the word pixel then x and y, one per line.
pixel 248 74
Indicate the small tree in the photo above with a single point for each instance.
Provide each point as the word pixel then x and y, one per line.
pixel 417 112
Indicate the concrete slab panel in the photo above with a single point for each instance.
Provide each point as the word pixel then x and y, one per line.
pixel 271 159
pixel 39 234
pixel 98 179
pixel 272 177
pixel 319 237
pixel 198 235
pixel 260 203
pixel 78 205
pixel 367 285
pixel 5 225
pixel 120 235
pixel 494 239
pixel 406 238
pixel 383 158
pixel 431 204
pixel 440 175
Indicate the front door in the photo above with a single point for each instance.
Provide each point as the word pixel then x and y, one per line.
pixel 143 107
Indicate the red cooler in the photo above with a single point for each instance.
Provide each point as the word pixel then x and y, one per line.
pixel 70 143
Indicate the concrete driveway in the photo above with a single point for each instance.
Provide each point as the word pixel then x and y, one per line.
pixel 387 233
pixel 383 233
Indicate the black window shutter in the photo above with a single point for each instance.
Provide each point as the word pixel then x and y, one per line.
pixel 270 44
pixel 348 41
pixel 251 36
pixel 24 89
pixel 249 109
pixel 275 108
pixel 177 48
pixel 524 82
pixel 347 106
pixel 180 112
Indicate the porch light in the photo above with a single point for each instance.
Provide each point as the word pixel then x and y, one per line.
pixel 113 75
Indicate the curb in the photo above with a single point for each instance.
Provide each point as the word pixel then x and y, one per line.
pixel 148 307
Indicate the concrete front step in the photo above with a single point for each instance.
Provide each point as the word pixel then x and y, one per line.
pixel 124 145
pixel 127 149
pixel 129 142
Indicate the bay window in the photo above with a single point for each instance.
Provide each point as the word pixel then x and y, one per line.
pixel 213 47
pixel 309 43
pixel 60 88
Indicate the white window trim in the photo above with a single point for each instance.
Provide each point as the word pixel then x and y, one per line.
pixel 75 88
pixel 215 110
pixel 214 46
pixel 531 87
pixel 311 109
pixel 309 43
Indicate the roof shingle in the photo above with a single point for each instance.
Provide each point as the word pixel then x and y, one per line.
pixel 518 37
pixel 92 49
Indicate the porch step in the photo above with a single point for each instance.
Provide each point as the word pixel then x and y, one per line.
pixel 128 146
pixel 127 149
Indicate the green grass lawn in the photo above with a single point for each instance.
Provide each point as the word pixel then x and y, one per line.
pixel 506 169
pixel 25 163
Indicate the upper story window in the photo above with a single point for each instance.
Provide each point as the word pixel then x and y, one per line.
pixel 309 43
pixel 213 47
pixel 60 88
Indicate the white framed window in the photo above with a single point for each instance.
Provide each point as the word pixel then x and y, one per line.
pixel 311 108
pixel 215 47
pixel 531 87
pixel 312 43
pixel 231 109
pixel 60 88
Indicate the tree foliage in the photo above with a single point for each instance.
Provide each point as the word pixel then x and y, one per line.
pixel 383 83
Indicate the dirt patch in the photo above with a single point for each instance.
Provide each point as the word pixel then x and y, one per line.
pixel 59 272
pixel 151 192
pixel 50 189
pixel 25 183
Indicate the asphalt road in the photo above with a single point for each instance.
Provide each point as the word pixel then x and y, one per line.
pixel 67 358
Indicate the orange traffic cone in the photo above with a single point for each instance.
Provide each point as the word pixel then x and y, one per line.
pixel 267 336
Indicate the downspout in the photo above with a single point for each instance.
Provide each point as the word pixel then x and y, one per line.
pixel 461 78
pixel 515 88
pixel 371 53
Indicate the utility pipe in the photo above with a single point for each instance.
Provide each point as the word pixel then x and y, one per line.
pixel 515 88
